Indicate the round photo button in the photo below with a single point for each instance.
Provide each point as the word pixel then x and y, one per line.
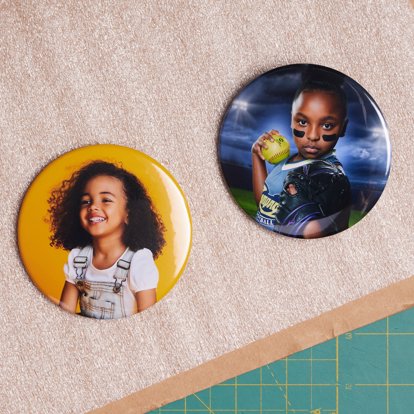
pixel 104 231
pixel 305 151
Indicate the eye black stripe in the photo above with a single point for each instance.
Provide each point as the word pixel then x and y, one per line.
pixel 297 133
pixel 329 138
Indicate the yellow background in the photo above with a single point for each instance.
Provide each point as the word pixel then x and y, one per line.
pixel 45 264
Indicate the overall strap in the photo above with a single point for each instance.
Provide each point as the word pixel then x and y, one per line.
pixel 122 269
pixel 81 262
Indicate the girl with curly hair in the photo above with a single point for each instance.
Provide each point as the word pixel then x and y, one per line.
pixel 104 216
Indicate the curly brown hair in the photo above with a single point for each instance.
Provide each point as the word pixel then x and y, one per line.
pixel 145 228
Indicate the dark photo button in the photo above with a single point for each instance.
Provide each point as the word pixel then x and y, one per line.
pixel 305 151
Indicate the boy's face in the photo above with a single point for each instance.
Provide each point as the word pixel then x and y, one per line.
pixel 318 119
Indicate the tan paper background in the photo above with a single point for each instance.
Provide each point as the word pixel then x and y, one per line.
pixel 157 76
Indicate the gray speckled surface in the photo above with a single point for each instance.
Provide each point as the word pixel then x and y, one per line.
pixel 157 76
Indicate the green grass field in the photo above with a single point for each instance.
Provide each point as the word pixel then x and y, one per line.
pixel 246 201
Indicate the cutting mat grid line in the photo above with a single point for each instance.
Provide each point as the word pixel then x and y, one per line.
pixel 369 370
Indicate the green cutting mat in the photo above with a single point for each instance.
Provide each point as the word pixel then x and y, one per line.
pixel 367 371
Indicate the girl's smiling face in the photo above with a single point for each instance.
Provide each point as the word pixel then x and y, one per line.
pixel 103 207
pixel 315 114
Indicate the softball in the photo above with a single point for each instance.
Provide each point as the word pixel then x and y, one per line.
pixel 277 150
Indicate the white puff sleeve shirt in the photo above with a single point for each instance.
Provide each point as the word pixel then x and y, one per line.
pixel 143 274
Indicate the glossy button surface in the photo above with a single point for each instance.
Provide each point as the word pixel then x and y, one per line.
pixel 45 263
pixel 305 151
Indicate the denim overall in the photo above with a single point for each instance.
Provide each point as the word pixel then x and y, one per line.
pixel 102 300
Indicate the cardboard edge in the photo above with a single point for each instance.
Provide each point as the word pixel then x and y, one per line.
pixel 368 309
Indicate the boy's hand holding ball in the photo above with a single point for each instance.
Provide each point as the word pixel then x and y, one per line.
pixel 272 147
